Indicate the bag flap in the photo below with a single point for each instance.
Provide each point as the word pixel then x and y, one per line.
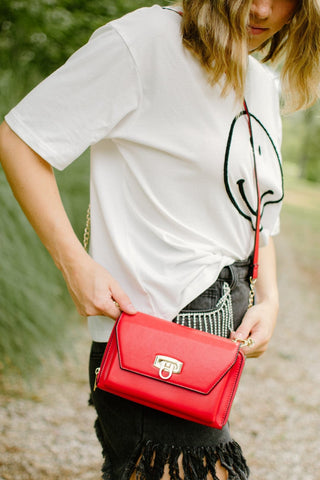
pixel 175 354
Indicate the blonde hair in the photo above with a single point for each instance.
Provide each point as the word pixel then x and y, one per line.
pixel 297 48
pixel 215 31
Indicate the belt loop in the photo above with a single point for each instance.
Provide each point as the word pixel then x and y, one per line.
pixel 234 276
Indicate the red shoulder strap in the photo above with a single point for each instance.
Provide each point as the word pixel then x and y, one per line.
pixel 255 265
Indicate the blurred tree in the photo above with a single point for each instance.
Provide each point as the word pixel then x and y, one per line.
pixel 309 158
pixel 41 34
pixel 301 142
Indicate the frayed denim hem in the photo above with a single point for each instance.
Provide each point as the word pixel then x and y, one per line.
pixel 106 467
pixel 149 459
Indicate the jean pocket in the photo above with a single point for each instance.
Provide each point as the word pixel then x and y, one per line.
pixel 207 300
pixel 217 321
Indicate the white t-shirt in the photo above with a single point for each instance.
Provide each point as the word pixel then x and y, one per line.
pixel 173 197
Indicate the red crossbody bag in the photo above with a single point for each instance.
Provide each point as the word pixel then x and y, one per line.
pixel 172 368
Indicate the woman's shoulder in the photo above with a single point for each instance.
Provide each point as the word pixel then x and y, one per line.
pixel 147 25
pixel 150 34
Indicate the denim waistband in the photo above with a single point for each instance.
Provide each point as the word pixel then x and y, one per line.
pixel 240 270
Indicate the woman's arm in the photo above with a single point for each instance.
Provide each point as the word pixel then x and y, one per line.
pixel 260 320
pixel 33 183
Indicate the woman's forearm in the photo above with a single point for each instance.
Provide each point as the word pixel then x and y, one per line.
pixel 33 184
pixel 267 286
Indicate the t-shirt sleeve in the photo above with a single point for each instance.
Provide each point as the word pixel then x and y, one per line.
pixel 81 102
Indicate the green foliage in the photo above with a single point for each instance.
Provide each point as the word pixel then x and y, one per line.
pixel 42 34
pixel 31 303
pixel 36 312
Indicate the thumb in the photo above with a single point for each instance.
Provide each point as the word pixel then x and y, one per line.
pixel 243 331
pixel 127 308
pixel 123 302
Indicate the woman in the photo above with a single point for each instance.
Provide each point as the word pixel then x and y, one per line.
pixel 159 96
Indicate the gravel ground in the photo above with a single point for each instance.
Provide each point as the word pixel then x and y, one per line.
pixel 275 417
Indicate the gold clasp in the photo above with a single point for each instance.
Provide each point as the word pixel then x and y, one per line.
pixel 244 343
pixel 167 366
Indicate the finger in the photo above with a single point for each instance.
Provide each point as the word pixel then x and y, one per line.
pixel 249 340
pixel 250 350
pixel 248 345
pixel 258 345
pixel 108 307
pixel 246 327
pixel 241 334
pixel 122 301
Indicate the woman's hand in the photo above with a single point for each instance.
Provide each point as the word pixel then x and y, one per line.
pixel 257 324
pixel 260 320
pixel 93 290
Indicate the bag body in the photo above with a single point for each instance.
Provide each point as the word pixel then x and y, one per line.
pixel 176 369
